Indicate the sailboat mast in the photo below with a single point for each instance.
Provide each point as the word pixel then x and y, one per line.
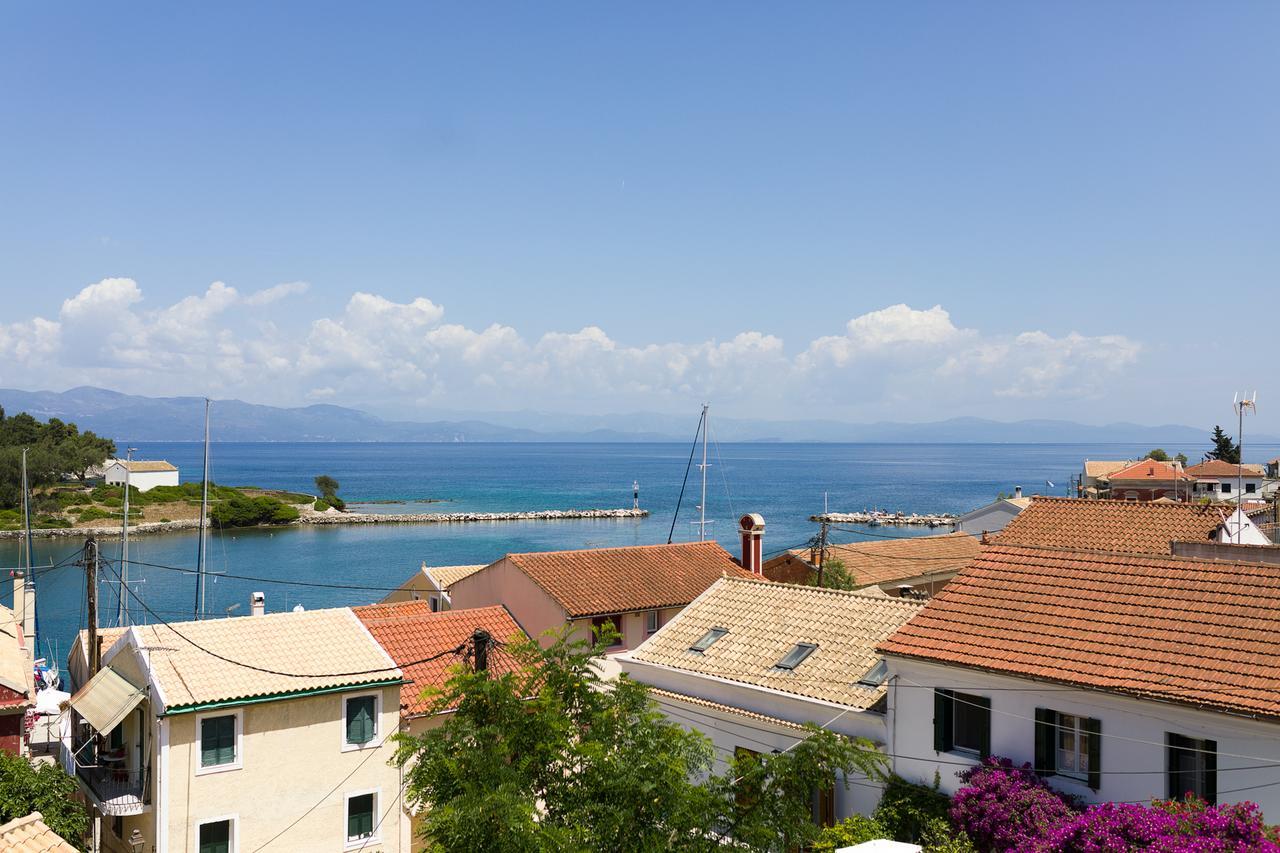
pixel 702 508
pixel 204 517
pixel 122 610
pixel 28 571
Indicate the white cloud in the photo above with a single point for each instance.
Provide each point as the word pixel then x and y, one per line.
pixel 897 360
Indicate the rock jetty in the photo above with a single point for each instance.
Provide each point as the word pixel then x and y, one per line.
pixel 464 517
pixel 874 517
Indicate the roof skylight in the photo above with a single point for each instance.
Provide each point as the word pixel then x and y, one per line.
pixel 875 676
pixel 796 656
pixel 707 639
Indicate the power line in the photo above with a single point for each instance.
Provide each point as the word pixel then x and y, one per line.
pixel 270 580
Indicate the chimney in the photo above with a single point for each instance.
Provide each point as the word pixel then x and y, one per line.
pixel 257 604
pixel 751 526
pixel 1017 491
pixel 24 605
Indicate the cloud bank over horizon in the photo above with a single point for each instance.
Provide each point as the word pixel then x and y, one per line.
pixel 405 359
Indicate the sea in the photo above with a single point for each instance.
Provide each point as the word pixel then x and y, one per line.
pixel 334 565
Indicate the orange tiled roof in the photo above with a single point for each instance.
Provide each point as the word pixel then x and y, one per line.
pixel 410 631
pixel 1218 468
pixel 898 559
pixel 1197 632
pixel 621 580
pixel 1148 469
pixel 1135 527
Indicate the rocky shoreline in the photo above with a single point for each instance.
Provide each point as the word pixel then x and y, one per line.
pixel 874 517
pixel 333 517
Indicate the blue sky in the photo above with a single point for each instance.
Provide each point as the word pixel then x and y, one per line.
pixel 600 201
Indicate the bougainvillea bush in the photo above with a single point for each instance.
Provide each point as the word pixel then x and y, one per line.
pixel 1006 806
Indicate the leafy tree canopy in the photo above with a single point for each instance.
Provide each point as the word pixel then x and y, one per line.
pixel 328 488
pixel 53 449
pixel 542 755
pixel 1159 455
pixel 26 787
pixel 1223 447
pixel 835 575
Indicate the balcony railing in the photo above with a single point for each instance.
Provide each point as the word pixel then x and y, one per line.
pixel 118 792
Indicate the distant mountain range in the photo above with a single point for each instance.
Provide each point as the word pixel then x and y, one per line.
pixel 134 418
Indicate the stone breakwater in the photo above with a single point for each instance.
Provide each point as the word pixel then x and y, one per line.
pixel 874 517
pixel 144 528
pixel 464 517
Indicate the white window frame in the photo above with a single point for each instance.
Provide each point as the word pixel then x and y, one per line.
pixel 374 838
pixel 373 743
pixel 654 618
pixel 234 836
pixel 238 764
pixel 1077 732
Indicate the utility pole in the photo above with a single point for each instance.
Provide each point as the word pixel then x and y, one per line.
pixel 822 549
pixel 91 593
pixel 122 610
pixel 480 647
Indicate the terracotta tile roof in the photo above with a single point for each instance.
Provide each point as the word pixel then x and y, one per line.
pixel 1148 469
pixel 890 560
pixel 1217 468
pixel 323 642
pixel 766 620
pixel 1197 632
pixel 699 702
pixel 143 466
pixel 1123 526
pixel 447 576
pixel 621 580
pixel 409 631
pixel 30 835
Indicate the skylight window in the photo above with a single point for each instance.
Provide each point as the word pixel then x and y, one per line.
pixel 707 639
pixel 796 656
pixel 875 676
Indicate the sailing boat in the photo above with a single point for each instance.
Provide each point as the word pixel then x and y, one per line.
pixel 703 427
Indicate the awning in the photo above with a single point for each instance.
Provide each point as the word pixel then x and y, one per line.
pixel 107 699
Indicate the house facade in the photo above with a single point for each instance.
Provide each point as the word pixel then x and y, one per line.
pixel 749 662
pixel 431 584
pixel 1147 480
pixel 993 517
pixel 1119 677
pixel 1216 480
pixel 223 735
pixel 637 589
pixel 142 475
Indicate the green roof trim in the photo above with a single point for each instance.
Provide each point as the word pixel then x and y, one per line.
pixel 272 697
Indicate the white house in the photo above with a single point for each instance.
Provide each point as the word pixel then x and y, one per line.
pixel 1120 677
pixel 143 474
pixel 994 516
pixel 1224 481
pixel 748 662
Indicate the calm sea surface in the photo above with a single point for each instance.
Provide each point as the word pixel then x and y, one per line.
pixel 783 482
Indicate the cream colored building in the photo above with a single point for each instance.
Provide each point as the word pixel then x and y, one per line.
pixel 142 474
pixel 230 735
pixel 431 584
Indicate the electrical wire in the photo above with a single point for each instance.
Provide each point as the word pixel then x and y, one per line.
pixel 268 580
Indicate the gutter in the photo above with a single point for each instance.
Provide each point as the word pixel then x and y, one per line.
pixel 272 697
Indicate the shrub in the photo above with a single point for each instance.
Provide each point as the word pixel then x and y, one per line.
pixel 907 810
pixel 26 787
pixel 242 511
pixel 321 505
pixel 854 829
pixel 1004 806
pixel 939 837
pixel 1166 826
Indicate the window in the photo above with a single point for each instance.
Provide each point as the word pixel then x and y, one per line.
pixel 875 676
pixel 961 723
pixel 435 604
pixel 360 820
pixel 1250 488
pixel 1193 767
pixel 115 740
pixel 822 805
pixel 652 622
pixel 219 736
pixel 1069 745
pixel 361 720
pixel 598 628
pixel 215 837
pixel 796 656
pixel 705 641
pixel 1226 488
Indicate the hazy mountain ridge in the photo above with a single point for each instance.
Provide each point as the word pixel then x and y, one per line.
pixel 137 418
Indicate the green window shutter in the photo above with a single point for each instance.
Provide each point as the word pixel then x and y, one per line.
pixel 217 741
pixel 360 816
pixel 983 709
pixel 1210 771
pixel 1093 728
pixel 943 707
pixel 1046 736
pixel 360 719
pixel 215 837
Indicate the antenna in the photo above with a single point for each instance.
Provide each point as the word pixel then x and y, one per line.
pixel 1241 402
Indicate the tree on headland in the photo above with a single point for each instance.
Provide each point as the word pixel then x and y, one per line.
pixel 539 753
pixel 1158 455
pixel 54 449
pixel 328 488
pixel 1224 448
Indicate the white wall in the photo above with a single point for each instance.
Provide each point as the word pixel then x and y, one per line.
pixel 988 519
pixel 1133 735
pixel 143 481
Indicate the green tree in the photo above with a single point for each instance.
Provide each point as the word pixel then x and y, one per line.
pixel 1182 459
pixel 1223 447
pixel 328 488
pixel 1158 454
pixel 26 787
pixel 544 756
pixel 53 450
pixel 835 575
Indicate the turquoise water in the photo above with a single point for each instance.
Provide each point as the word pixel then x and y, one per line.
pixel 783 482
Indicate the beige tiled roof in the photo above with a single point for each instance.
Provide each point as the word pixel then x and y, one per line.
pixel 15 670
pixel 898 559
pixel 699 702
pixel 144 466
pixel 622 580
pixel 447 576
pixel 1100 468
pixel 30 835
pixel 308 650
pixel 765 621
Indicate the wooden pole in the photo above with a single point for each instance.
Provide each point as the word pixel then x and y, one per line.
pixel 91 593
